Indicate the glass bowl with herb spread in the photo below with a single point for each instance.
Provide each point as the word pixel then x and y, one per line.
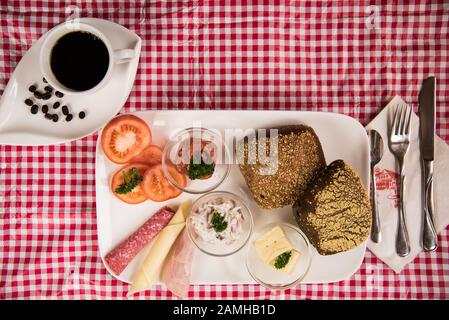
pixel 279 256
pixel 220 223
pixel 201 155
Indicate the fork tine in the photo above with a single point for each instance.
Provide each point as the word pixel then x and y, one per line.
pixel 394 126
pixel 401 121
pixel 407 126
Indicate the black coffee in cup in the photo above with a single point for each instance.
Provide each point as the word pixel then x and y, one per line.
pixel 79 60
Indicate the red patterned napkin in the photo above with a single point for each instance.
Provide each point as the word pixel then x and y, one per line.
pixel 387 190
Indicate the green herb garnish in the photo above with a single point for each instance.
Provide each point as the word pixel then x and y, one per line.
pixel 218 222
pixel 131 179
pixel 282 260
pixel 200 170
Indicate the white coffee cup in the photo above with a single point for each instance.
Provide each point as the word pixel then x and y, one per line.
pixel 52 36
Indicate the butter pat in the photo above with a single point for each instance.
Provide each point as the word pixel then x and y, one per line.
pixel 274 243
pixel 291 262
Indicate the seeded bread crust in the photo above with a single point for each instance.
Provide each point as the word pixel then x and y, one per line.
pixel 335 212
pixel 300 158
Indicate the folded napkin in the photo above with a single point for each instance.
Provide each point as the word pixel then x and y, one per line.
pixel 387 193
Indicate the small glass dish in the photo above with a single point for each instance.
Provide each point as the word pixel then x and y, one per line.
pixel 219 248
pixel 178 152
pixel 268 276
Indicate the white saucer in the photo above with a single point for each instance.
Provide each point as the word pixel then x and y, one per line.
pixel 19 127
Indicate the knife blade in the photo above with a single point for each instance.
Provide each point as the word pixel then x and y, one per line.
pixel 427 134
pixel 427 118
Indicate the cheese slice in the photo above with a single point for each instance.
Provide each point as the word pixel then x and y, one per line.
pixel 272 244
pixel 144 277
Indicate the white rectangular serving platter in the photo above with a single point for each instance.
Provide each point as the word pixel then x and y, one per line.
pixel 341 137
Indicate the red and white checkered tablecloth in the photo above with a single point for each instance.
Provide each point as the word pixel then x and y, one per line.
pixel 346 56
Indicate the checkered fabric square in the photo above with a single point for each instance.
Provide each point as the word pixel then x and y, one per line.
pixel 347 56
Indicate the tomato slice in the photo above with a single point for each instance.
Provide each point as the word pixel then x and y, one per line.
pixel 156 185
pixel 137 195
pixel 180 179
pixel 124 137
pixel 151 155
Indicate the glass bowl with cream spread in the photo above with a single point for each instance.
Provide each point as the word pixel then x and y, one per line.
pixel 220 223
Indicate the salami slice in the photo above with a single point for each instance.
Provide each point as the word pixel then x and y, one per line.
pixel 124 252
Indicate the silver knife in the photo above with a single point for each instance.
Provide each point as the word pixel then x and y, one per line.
pixel 427 133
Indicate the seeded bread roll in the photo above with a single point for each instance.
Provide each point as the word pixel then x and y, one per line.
pixel 334 212
pixel 299 158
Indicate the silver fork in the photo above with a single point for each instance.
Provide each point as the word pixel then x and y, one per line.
pixel 399 143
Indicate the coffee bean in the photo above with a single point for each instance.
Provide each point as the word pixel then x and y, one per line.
pixel 49 116
pixel 34 109
pixel 56 105
pixel 45 80
pixel 46 95
pixel 44 108
pixel 65 110
pixel 69 117
pixel 59 94
pixel 55 118
pixel 82 115
pixel 37 94
pixel 32 88
pixel 48 89
pixel 29 102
